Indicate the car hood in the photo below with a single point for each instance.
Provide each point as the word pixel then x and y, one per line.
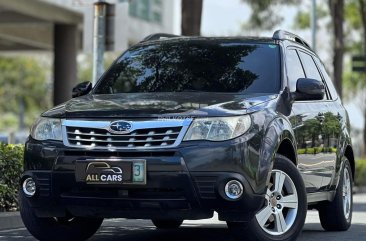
pixel 192 104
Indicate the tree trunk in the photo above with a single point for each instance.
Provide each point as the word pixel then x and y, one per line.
pixel 336 8
pixel 191 17
pixel 362 6
pixel 364 135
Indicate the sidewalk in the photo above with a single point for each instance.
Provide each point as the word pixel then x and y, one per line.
pixel 361 189
pixel 10 220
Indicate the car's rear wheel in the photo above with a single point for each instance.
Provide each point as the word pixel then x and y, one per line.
pixel 337 215
pixel 167 223
pixel 57 229
pixel 283 214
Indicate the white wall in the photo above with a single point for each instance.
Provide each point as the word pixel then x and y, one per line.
pixel 138 28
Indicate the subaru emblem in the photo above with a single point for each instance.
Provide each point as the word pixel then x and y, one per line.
pixel 120 127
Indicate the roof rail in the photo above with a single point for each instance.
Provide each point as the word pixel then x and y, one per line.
pixel 157 36
pixel 284 35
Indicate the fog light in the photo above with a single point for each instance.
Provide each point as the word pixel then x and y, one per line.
pixel 233 189
pixel 29 187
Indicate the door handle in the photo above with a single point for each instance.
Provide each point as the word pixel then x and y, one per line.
pixel 320 117
pixel 339 117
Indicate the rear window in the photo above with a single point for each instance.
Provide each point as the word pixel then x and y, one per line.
pixel 208 66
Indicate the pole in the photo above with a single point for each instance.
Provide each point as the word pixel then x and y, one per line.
pixel 99 39
pixel 313 25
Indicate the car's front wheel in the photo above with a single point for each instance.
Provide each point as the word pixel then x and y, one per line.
pixel 283 214
pixel 57 229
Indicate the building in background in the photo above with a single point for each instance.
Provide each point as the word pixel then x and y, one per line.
pixel 132 21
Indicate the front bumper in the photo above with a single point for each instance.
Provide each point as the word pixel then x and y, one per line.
pixel 186 182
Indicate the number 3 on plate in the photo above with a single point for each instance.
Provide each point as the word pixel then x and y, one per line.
pixel 138 172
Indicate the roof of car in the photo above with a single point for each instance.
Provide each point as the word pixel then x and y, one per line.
pixel 218 39
pixel 279 35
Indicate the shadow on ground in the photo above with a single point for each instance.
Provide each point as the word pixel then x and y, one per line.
pixel 311 232
pixel 186 233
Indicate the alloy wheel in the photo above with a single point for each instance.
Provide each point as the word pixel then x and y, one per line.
pixel 281 205
pixel 346 193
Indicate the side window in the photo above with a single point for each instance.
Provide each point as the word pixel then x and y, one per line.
pixel 294 68
pixel 328 80
pixel 310 68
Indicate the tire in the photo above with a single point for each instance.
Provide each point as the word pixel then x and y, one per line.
pixel 286 202
pixel 333 215
pixel 166 223
pixel 57 229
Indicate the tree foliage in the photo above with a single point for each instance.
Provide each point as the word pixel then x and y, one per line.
pixel 360 175
pixel 265 14
pixel 352 14
pixel 302 19
pixel 11 165
pixel 23 83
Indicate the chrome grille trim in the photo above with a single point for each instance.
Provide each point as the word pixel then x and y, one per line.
pixel 150 134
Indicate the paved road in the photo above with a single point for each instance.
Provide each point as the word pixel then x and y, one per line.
pixel 207 230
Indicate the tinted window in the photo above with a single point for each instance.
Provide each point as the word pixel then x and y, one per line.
pixel 294 68
pixel 195 65
pixel 310 68
pixel 332 90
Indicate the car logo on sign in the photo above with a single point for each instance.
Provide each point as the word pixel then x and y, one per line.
pixel 120 127
pixel 102 172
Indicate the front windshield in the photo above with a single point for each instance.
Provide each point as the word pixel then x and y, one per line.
pixel 195 65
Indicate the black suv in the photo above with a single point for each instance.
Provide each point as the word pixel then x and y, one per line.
pixel 182 127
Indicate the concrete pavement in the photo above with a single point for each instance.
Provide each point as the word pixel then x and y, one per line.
pixel 207 230
pixel 9 220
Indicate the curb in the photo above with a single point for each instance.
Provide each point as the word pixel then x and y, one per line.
pixel 359 189
pixel 10 220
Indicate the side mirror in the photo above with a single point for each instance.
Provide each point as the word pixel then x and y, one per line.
pixel 309 89
pixel 81 89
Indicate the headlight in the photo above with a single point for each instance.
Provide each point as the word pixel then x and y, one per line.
pixel 218 128
pixel 47 129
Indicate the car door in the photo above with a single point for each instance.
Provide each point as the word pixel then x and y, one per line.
pixel 308 118
pixel 331 127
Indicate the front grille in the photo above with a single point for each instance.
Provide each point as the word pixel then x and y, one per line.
pixel 146 134
pixel 122 154
pixel 139 138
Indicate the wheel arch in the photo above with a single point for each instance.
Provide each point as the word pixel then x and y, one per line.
pixel 348 153
pixel 286 148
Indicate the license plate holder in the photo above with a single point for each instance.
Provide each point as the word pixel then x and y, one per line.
pixel 111 171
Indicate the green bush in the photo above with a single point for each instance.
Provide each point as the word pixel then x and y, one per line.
pixel 11 164
pixel 360 177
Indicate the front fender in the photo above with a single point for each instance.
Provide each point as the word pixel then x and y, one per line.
pixel 277 131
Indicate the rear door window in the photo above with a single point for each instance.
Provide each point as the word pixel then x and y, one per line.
pixel 328 80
